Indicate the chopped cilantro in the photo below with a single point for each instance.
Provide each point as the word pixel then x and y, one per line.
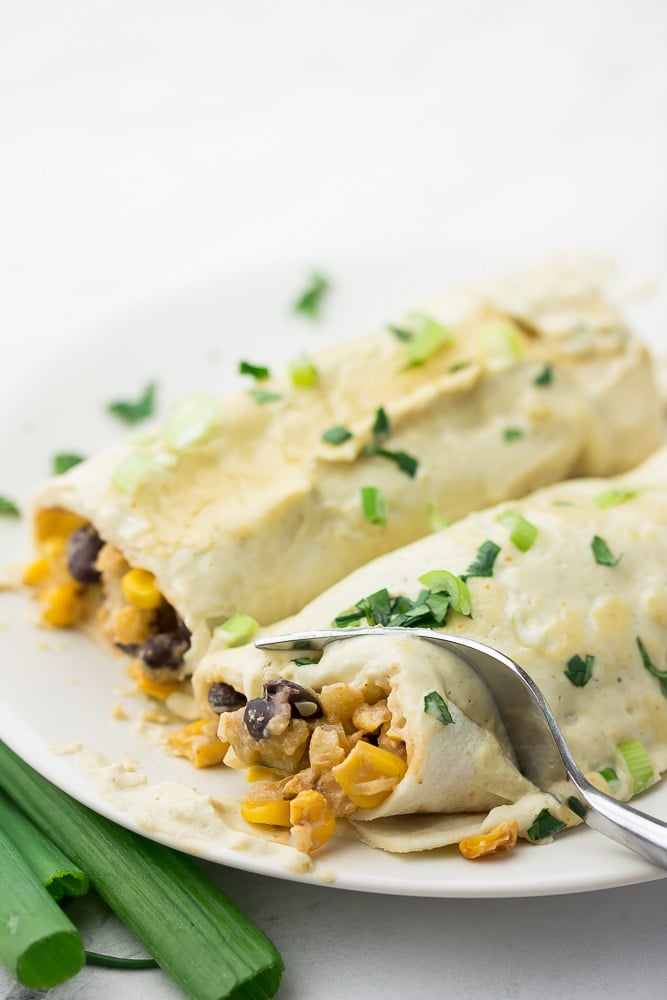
pixel 435 705
pixel 8 508
pixel 264 396
pixel 302 661
pixel 429 609
pixel 602 552
pixel 381 426
pixel 512 434
pixel 482 564
pixel 336 435
pixel 661 675
pixel 545 825
pixel 258 372
pixel 309 303
pixel 576 806
pixel 546 376
pixel 64 461
pixel 133 413
pixel 579 671
pixel 405 462
pixel 373 505
pixel 440 581
pixel 612 498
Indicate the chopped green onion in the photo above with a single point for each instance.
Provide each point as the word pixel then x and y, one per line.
pixel 428 338
pixel 53 869
pixel 258 372
pixel 637 761
pixel 612 498
pixel 220 952
pixel 373 505
pixel 345 619
pixel 546 376
pixel 440 581
pixel 545 825
pixel 381 426
pixel 133 472
pixel 401 333
pixel 523 534
pixel 134 412
pixel 482 564
pixel 303 373
pixel 237 630
pixel 302 661
pixel 336 435
pixel 264 396
pixel 577 807
pixel 405 462
pixel 579 671
pixel 64 461
pixel 435 705
pixel 435 519
pixel 191 421
pixel 39 945
pixel 602 552
pixel 8 508
pixel 112 962
pixel 609 774
pixel 501 344
pixel 661 675
pixel 309 303
pixel 512 433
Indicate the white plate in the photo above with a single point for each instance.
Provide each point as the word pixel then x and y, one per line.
pixel 58 687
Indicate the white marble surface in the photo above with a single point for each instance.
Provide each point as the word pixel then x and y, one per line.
pixel 145 146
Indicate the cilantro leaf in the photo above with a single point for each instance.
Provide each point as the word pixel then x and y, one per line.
pixel 8 508
pixel 602 552
pixel 309 303
pixel 661 675
pixel 435 705
pixel 64 461
pixel 134 412
pixel 482 564
pixel 337 435
pixel 405 462
pixel 579 671
pixel 546 376
pixel 545 825
pixel 258 372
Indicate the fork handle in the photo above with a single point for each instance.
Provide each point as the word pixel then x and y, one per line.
pixel 627 826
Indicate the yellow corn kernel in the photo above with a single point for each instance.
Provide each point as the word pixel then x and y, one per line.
pixel 198 742
pixel 312 819
pixel 37 572
pixel 54 522
pixel 258 772
pixel 500 838
pixel 129 624
pixel 156 689
pixel 61 606
pixel 269 812
pixel 139 588
pixel 369 774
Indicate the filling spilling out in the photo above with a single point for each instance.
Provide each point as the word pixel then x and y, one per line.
pixel 80 579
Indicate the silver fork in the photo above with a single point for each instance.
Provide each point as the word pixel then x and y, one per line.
pixel 542 754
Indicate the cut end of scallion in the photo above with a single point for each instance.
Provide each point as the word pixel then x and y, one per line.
pixel 523 534
pixel 51 961
pixel 429 337
pixel 373 505
pixel 237 630
pixel 303 373
pixel 500 344
pixel 637 762
pixel 191 421
pixel 133 472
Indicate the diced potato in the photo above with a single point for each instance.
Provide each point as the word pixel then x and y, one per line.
pixel 325 749
pixel 339 701
pixel 312 819
pixel 501 838
pixel 198 742
pixel 369 774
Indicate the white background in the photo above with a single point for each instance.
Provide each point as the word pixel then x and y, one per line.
pixel 147 146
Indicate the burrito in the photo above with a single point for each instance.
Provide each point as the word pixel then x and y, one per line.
pixel 398 738
pixel 241 510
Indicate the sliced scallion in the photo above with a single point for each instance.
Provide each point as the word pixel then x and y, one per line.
pixel 638 763
pixel 501 344
pixel 237 630
pixel 544 825
pixel 435 705
pixel 579 671
pixel 512 434
pixel 609 774
pixel 614 497
pixel 429 336
pixel 373 505
pixel 220 952
pixel 303 373
pixel 440 581
pixel 190 421
pixel 523 533
pixel 65 460
pixel 602 553
pixel 133 472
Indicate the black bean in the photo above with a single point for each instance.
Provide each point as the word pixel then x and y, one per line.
pixel 304 703
pixel 83 547
pixel 166 649
pixel 225 698
pixel 256 717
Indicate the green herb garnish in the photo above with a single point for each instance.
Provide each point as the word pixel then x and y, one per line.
pixel 609 774
pixel 482 564
pixel 435 705
pixel 602 552
pixel 661 675
pixel 134 412
pixel 401 333
pixel 237 630
pixel 576 806
pixel 636 759
pixel 545 825
pixel 429 337
pixel 612 498
pixel 522 533
pixel 546 376
pixel 579 671
pixel 8 508
pixel 440 581
pixel 373 505
pixel 64 461
pixel 258 372
pixel 264 396
pixel 435 519
pixel 337 435
pixel 309 303
pixel 429 609
pixel 405 462
pixel 381 426
pixel 512 433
